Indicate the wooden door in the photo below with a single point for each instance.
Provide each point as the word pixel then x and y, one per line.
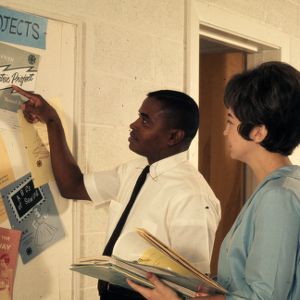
pixel 225 176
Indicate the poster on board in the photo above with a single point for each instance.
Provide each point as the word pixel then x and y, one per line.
pixel 33 211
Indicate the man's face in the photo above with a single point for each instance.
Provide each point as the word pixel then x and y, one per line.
pixel 150 133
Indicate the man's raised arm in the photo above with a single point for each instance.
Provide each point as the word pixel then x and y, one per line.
pixel 67 173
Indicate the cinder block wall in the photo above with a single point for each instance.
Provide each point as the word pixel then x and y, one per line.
pixel 132 47
pixel 284 15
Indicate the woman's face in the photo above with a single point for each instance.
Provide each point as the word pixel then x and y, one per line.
pixel 239 148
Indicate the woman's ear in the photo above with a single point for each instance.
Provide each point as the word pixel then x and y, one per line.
pixel 258 133
pixel 176 137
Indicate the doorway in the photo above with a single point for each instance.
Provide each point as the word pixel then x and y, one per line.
pixel 218 63
pixel 232 181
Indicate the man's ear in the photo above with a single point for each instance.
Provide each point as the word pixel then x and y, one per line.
pixel 176 137
pixel 258 133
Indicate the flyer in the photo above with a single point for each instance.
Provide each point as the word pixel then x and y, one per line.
pixel 33 211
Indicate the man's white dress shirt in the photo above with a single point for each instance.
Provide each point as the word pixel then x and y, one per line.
pixel 175 204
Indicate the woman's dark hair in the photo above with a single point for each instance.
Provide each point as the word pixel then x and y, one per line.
pixel 181 110
pixel 268 95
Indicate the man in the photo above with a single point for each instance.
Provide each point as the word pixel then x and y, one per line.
pixel 175 203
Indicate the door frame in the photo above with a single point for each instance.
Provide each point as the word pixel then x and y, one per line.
pixel 230 27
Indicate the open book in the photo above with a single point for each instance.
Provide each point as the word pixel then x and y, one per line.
pixel 170 267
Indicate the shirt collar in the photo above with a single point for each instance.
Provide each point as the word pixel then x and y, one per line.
pixel 167 163
pixel 292 171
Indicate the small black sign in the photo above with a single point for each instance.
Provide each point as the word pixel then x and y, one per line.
pixel 25 198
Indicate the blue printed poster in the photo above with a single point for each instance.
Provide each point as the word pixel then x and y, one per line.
pixel 33 211
pixel 22 28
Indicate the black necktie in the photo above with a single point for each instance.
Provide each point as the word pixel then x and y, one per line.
pixel 117 231
pixel 104 288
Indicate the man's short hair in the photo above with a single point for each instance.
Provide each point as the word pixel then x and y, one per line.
pixel 268 95
pixel 181 111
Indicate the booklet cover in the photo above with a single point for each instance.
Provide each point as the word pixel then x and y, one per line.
pixel 17 67
pixel 9 250
pixel 33 211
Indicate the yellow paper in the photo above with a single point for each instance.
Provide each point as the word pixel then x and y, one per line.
pixel 6 172
pixel 6 176
pixel 37 150
pixel 36 144
pixel 154 257
pixel 3 214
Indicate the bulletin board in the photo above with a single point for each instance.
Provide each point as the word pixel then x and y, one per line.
pixel 46 275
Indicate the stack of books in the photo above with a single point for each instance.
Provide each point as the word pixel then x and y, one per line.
pixel 176 272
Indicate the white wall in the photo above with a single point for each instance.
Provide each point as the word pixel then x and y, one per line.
pixel 131 47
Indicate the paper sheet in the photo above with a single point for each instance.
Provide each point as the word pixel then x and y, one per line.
pixel 36 143
pixel 6 175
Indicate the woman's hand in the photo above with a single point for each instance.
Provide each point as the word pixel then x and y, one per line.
pixel 159 292
pixel 163 292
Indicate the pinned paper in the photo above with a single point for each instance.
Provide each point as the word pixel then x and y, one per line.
pixel 36 145
pixel 6 176
pixel 6 172
pixel 37 149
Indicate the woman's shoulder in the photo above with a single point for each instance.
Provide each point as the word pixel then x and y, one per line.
pixel 285 180
pixel 282 194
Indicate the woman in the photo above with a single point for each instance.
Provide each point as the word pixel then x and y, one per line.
pixel 260 256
